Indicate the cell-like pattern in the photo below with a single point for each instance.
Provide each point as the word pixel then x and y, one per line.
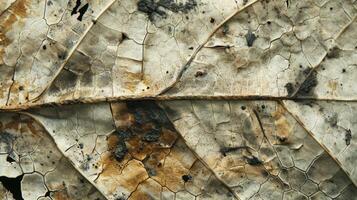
pixel 32 167
pixel 60 51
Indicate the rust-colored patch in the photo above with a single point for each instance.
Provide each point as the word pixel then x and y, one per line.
pixel 17 11
pixel 61 195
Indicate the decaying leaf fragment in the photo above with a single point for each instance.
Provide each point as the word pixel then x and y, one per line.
pixel 178 99
pixel 259 150
pixel 31 166
pixel 96 50
pixel 130 151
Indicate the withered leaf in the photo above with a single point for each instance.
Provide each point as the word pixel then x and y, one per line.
pixel 178 99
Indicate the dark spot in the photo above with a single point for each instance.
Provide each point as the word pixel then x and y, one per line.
pixel 253 161
pixel 190 48
pixel 200 73
pixel 269 22
pixel 343 70
pixel 243 107
pixel 21 87
pixel 282 139
pixel 212 20
pixel 250 37
pixel 10 159
pixel 62 55
pixel 332 120
pixel 225 150
pixel 307 87
pixel 186 178
pixel 13 185
pixel 120 151
pixel 290 88
pixel 44 47
pixel 123 134
pixel 331 8
pixel 152 136
pixel 80 145
pixel 263 106
pixel 334 52
pixel 48 194
pixel 81 10
pixel 74 11
pixel 157 8
pixel 348 137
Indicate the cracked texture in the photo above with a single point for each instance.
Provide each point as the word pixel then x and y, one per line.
pixel 30 158
pixel 90 51
pixel 178 99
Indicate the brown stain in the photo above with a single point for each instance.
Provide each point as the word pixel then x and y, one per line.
pixel 111 168
pixel 147 190
pixel 168 137
pixel 122 117
pixel 139 149
pixel 131 80
pixel 16 12
pixel 61 195
pixel 283 127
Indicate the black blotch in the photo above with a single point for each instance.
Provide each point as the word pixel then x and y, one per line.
pixel 282 139
pixel 10 159
pixel 157 8
pixel 334 52
pixel 253 160
pixel 200 73
pixel 225 150
pixel 250 37
pixel 13 185
pixel 81 10
pixel 48 194
pixel 74 11
pixel 343 70
pixel 62 55
pixel 152 136
pixel 348 137
pixel 212 20
pixel 44 47
pixel 120 150
pixel 186 178
pixel 148 124
pixel 243 107
pixel 290 88
pixel 308 86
